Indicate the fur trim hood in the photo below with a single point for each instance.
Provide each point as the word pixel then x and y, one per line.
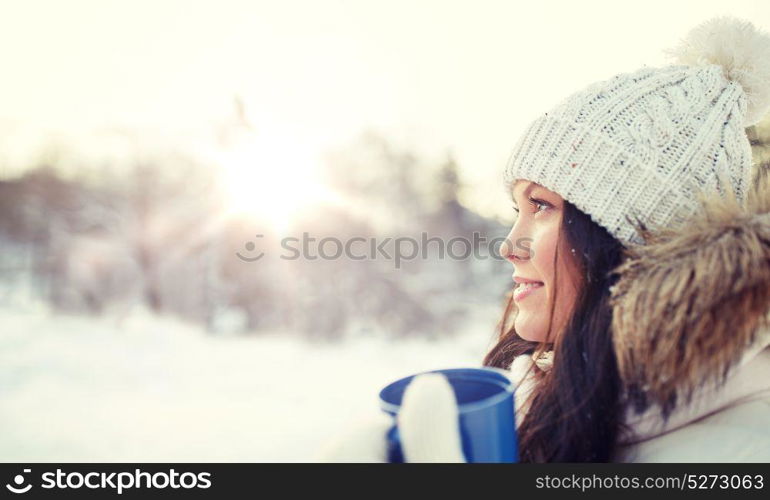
pixel 691 305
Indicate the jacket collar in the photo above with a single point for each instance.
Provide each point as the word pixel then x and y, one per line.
pixel 747 380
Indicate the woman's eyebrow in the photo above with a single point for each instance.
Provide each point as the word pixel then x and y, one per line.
pixel 529 188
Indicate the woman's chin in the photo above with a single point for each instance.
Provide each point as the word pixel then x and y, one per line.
pixel 526 330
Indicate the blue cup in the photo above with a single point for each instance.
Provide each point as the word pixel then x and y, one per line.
pixel 486 413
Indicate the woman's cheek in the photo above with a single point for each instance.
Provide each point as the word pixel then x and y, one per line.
pixel 544 249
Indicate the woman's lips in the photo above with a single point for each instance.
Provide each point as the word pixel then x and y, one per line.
pixel 525 290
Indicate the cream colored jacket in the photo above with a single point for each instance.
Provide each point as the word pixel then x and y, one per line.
pixel 739 433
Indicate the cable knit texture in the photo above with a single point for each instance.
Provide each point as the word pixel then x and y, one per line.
pixel 639 145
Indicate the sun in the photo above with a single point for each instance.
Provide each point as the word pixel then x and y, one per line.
pixel 273 177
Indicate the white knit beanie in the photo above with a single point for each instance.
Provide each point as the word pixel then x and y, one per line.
pixel 639 145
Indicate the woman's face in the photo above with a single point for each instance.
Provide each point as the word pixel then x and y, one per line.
pixel 531 246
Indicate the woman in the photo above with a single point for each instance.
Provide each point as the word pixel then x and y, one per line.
pixel 640 323
pixel 682 308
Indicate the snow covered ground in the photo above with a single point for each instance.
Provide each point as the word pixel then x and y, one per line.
pixel 147 388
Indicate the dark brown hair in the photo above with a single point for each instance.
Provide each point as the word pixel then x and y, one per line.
pixel 575 413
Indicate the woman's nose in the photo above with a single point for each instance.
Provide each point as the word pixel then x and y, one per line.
pixel 510 250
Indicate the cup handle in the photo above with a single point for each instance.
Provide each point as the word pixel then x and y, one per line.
pixel 393 440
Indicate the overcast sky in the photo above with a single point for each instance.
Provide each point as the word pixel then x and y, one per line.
pixel 465 76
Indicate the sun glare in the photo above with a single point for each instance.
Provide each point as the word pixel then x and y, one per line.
pixel 273 178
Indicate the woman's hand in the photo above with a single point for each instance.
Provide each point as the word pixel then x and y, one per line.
pixel 427 424
pixel 428 421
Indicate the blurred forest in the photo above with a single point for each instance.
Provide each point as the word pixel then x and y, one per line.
pixel 159 235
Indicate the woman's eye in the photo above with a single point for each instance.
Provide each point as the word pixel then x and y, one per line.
pixel 538 203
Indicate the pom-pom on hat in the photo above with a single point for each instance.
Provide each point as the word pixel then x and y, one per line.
pixel 638 148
